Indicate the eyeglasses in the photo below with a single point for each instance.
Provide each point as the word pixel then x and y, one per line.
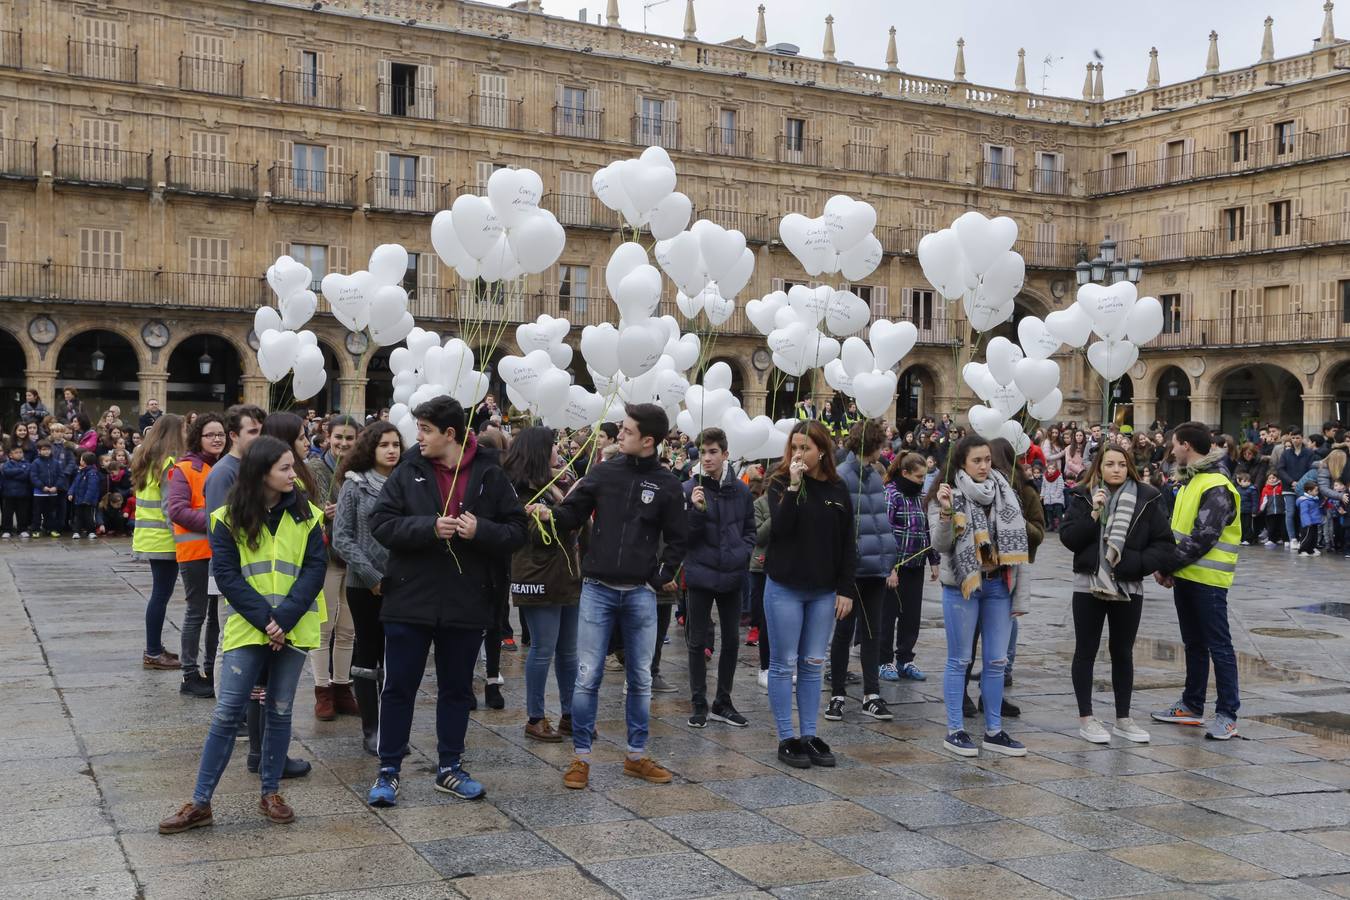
pixel 213 435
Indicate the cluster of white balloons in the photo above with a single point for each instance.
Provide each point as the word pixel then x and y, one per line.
pixel 373 298
pixel 712 404
pixel 1011 377
pixel 643 191
pixel 502 236
pixel 839 241
pixel 974 261
pixel 868 373
pixel 282 347
pixel 710 265
pixel 425 369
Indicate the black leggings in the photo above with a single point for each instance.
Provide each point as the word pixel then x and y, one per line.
pixel 1089 614
pixel 902 607
pixel 865 619
pixel 757 617
pixel 368 652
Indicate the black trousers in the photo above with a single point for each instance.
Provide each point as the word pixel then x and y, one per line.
pixel 368 651
pixel 501 630
pixel 757 617
pixel 901 611
pixel 696 624
pixel 662 628
pixel 1275 528
pixel 1248 528
pixel 404 666
pixel 1308 541
pixel 84 519
pixel 865 619
pixel 14 514
pixel 1089 615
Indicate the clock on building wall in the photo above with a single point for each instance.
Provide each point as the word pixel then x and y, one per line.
pixel 253 339
pixel 155 334
pixel 42 330
pixel 357 342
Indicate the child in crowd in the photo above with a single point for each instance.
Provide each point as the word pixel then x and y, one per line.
pixel 48 487
pixel 930 474
pixel 1250 498
pixel 15 489
pixel 113 508
pixel 85 493
pixel 1052 496
pixel 1338 510
pixel 118 467
pixel 1271 509
pixel 1310 514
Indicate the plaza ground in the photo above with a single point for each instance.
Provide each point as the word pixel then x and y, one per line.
pixel 96 750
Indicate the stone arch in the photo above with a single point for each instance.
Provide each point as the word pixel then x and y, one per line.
pixel 739 375
pixel 16 358
pixel 1331 374
pixel 1248 390
pixel 122 328
pixel 1336 386
pixel 125 357
pixel 248 357
pixel 916 392
pixel 1173 409
pixel 219 387
pixel 28 348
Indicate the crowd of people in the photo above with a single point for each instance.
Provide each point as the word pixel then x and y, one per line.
pixel 330 540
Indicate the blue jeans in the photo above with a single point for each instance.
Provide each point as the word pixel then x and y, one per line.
pixel 1290 514
pixel 163 576
pixel 553 641
pixel 239 671
pixel 1202 615
pixel 635 611
pixel 801 622
pixel 990 607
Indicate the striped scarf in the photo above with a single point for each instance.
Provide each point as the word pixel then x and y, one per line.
pixel 1111 541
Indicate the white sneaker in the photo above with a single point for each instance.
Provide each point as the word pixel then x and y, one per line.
pixel 1127 729
pixel 1315 552
pixel 5 535
pixel 1093 731
pixel 24 534
pixel 75 535
pixel 763 679
pixel 1291 545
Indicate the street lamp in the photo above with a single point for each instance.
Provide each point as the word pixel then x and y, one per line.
pixel 98 360
pixel 1107 268
pixel 204 364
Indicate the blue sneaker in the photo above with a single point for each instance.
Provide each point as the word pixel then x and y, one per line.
pixel 455 781
pixel 888 673
pixel 960 743
pixel 912 672
pixel 1002 743
pixel 384 792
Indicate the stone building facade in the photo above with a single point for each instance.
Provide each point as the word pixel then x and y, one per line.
pixel 156 157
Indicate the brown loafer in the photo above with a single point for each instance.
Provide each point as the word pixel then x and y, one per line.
pixel 542 731
pixel 647 769
pixel 565 726
pixel 164 660
pixel 189 816
pixel 324 708
pixel 344 701
pixel 276 809
pixel 578 775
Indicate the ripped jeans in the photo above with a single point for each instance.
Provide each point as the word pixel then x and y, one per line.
pixel 801 622
pixel 239 669
pixel 990 608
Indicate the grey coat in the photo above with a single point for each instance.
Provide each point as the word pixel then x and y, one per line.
pixel 877 550
pixel 366 557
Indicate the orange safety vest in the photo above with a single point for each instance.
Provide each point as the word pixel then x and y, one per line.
pixel 190 545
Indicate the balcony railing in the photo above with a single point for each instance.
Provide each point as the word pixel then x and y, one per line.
pixel 581 211
pixel 569 121
pixel 800 151
pixel 311 187
pixel 928 166
pixel 143 287
pixel 411 101
pixel 407 195
pixel 754 226
pixel 211 76
pixel 95 59
pixel 1270 236
pixel 898 239
pixel 100 166
pixel 1243 331
pixel 656 132
pixel 210 177
pixel 18 159
pixel 311 89
pixel 737 142
pixel 1047 255
pixel 11 49
pixel 998 175
pixel 488 111
pixel 865 158
pixel 1049 181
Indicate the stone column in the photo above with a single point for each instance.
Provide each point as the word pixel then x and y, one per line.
pixel 1316 410
pixel 1204 408
pixel 1145 411
pixel 754 402
pixel 255 389
pixel 153 384
pixel 352 396
pixel 44 382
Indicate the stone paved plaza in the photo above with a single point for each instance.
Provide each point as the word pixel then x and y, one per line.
pixel 95 751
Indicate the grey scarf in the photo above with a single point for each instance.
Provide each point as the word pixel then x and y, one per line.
pixel 988 526
pixel 1115 525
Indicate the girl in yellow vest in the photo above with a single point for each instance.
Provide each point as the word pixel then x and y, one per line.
pixel 153 538
pixel 269 563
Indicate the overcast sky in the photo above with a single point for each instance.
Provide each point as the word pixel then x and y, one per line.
pixel 1068 31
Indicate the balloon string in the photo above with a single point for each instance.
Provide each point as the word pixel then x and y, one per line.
pixel 445 511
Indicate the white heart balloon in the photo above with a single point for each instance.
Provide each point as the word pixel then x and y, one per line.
pixel 718 377
pixel 984 313
pixel 722 252
pixel 388 264
pixel 732 282
pixel 639 293
pixel 980 240
pixel 985 421
pixel 393 333
pixel 809 305
pixel 891 341
pixel 550 394
pixel 1036 377
pixel 718 308
pixel 308 383
pixel 856 357
pixel 849 221
pixel 1045 409
pixel 298 308
pixel 537 240
pixel 689 307
pixel 514 194
pixel 684 352
pixel 1112 359
pixel 286 276
pixel 276 353
pixel 1071 325
pixel 625 258
pixel 475 224
pixel 387 307
pixel 1007 399
pixel 837 376
pixel 1002 355
pixel 846 313
pixel 861 260
pixel 640 347
pixel 266 319
pixel 875 393
pixel 646 184
pixel 976 376
pixel 670 217
pixel 1036 340
pixel 1145 321
pixel 600 348
pixel 1010 432
pixel 444 240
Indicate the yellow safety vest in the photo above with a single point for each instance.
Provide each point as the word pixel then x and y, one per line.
pixel 271 570
pixel 152 537
pixel 1218 566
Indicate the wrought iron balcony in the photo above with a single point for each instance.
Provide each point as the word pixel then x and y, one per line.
pixel 569 121
pixel 898 239
pixel 140 287
pixel 95 59
pixel 755 226
pixel 210 177
pixel 1049 181
pixel 411 101
pixel 311 187
pixel 1326 326
pixel 656 132
pixel 998 175
pixel 928 166
pixel 865 158
pixel 406 195
pixel 18 159
pixel 311 89
pixel 581 211
pixel 801 151
pixel 489 111
pixel 102 167
pixel 1272 236
pixel 211 76
pixel 736 142
pixel 1047 255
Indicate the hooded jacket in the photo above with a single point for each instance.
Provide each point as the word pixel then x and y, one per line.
pixel 87 489
pixel 721 536
pixel 877 551
pixel 639 532
pixel 1148 542
pixel 432 581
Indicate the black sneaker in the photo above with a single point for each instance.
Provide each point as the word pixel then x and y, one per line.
pixel 1001 743
pixel 852 678
pixel 1010 710
pixel 792 752
pixel 728 715
pixel 194 685
pixel 492 696
pixel 818 751
pixel 967 706
pixel 698 720
pixel 835 711
pixel 877 709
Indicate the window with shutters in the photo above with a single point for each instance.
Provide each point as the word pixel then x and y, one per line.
pixel 1171 306
pixel 1117 171
pixel 925 220
pixel 574 286
pixel 206 69
pixel 1174 160
pixel 315 258
pixel 1343 295
pixel 921 308
pixel 573 117
pixel 309 166
pixel 998 169
pixel 1280 217
pixel 483 170
pixel 1234 221
pixel 574 198
pixel 402 175
pixel 1043 250
pixel 410 276
pixel 1286 134
pixel 862 153
pixel 309 74
pixel 1172 227
pixel 405 89
pixel 728 121
pixel 102 53
pixel 797 203
pixel 208 256
pixel 494 107
pixel 100 146
pixel 101 248
pixel 1275 300
pixel 1239 143
pixel 1048 176
pixel 652 126
pixel 207 153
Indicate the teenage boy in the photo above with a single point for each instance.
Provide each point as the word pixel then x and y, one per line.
pixel 451 520
pixel 637 543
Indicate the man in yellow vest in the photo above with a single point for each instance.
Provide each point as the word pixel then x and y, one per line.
pixel 1208 531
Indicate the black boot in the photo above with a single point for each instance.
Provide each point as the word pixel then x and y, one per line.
pixel 492 695
pixel 368 700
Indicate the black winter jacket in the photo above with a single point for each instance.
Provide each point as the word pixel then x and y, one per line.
pixel 638 505
pixel 424 582
pixel 722 537
pixel 1148 543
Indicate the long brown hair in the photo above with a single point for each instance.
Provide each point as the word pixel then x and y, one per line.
pixel 906 462
pixel 361 458
pixel 1093 475
pixel 288 428
pixel 247 499
pixel 816 434
pixel 164 439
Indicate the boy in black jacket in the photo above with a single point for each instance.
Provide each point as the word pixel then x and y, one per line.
pixel 451 520
pixel 637 505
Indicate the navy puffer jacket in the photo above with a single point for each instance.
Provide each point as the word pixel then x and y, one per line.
pixel 877 552
pixel 722 537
